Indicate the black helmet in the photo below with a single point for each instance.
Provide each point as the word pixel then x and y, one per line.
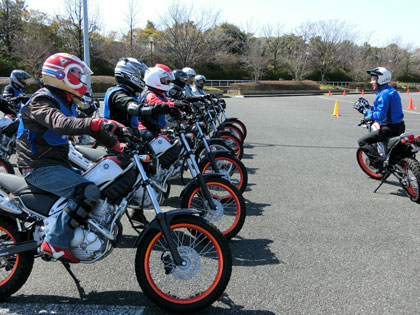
pixel 180 77
pixel 18 77
pixel 197 79
pixel 130 71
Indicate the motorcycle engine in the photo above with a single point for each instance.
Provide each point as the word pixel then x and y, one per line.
pixel 138 196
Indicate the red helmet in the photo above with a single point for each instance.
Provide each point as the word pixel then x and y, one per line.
pixel 66 72
pixel 167 69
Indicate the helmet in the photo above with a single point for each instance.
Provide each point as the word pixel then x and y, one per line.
pixel 130 71
pixel 189 71
pixel 18 77
pixel 66 72
pixel 180 77
pixel 383 74
pixel 199 77
pixel 167 69
pixel 157 78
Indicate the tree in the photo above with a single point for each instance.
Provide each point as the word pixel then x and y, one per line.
pixel 255 58
pixel 182 37
pixel 10 24
pixel 132 18
pixel 274 41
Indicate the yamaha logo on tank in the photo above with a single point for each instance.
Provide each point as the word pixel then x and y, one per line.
pixel 106 166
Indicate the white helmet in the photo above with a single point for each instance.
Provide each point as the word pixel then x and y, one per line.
pixel 383 74
pixel 157 78
pixel 189 71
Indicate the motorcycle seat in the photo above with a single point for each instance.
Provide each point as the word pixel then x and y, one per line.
pixel 90 153
pixel 392 141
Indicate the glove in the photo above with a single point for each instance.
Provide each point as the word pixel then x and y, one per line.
pixel 208 97
pixel 120 147
pixel 160 109
pixel 360 105
pixel 110 126
pixel 174 112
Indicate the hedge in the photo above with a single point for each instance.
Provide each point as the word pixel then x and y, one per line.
pixel 277 85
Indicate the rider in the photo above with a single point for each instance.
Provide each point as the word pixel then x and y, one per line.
pixel 199 81
pixel 191 73
pixel 15 89
pixel 157 82
pixel 177 89
pixel 42 147
pixel 386 110
pixel 129 73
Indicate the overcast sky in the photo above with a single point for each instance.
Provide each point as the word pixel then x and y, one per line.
pixel 382 22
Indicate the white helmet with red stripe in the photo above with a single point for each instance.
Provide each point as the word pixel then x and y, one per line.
pixel 66 72
pixel 157 78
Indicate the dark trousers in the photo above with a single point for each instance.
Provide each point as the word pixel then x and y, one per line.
pixel 386 132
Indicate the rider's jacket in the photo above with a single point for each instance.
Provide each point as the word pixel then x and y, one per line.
pixel 45 122
pixel 197 91
pixel 188 90
pixel 116 102
pixel 11 91
pixel 387 108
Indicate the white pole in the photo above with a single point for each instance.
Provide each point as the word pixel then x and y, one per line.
pixel 86 42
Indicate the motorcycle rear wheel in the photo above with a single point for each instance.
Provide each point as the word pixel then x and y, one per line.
pixel 238 123
pixel 14 269
pixel 364 163
pixel 6 167
pixel 189 288
pixel 412 171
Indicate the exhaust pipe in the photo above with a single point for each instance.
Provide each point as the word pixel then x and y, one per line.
pixel 10 206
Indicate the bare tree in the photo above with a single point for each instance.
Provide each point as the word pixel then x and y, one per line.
pixel 273 36
pixel 182 35
pixel 326 40
pixel 74 15
pixel 132 19
pixel 295 54
pixel 255 58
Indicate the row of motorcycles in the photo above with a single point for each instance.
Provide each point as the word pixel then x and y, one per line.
pixel 394 156
pixel 183 260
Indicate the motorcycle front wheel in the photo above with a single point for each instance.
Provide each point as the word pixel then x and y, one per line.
pixel 411 180
pixel 365 164
pixel 229 215
pixel 190 287
pixel 14 269
pixel 6 166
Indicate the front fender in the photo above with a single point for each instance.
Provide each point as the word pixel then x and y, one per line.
pixel 169 216
pixel 195 182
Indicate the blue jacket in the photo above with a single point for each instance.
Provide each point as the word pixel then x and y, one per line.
pixel 387 108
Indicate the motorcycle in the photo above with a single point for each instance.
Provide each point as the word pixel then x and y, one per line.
pixel 182 263
pixel 397 156
pixel 8 127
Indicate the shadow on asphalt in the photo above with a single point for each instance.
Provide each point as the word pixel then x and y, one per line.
pixel 252 252
pixel 267 145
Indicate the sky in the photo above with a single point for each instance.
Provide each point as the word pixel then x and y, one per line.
pixel 378 22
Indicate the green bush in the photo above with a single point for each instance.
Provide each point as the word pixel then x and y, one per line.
pixel 277 85
pixel 409 78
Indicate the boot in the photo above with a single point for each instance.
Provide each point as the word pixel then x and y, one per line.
pixel 138 216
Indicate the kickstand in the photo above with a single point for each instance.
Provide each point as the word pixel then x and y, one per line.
pixel 82 293
pixel 382 181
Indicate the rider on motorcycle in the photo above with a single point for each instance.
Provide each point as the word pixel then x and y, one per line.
pixel 386 110
pixel 191 73
pixel 42 147
pixel 199 81
pixel 13 92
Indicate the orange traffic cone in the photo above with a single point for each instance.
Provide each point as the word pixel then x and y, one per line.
pixel 408 91
pixel 363 92
pixel 335 113
pixel 344 93
pixel 329 92
pixel 410 104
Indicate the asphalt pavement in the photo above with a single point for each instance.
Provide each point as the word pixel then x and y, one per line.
pixel 316 240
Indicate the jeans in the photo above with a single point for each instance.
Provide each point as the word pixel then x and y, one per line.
pixel 61 181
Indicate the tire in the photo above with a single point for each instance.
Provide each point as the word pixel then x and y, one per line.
pixel 239 124
pixel 234 143
pixel 214 144
pixel 229 217
pixel 412 171
pixel 176 289
pixel 6 167
pixel 233 129
pixel 363 161
pixel 233 170
pixel 14 269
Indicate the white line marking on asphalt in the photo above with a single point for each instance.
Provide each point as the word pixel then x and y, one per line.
pixel 79 309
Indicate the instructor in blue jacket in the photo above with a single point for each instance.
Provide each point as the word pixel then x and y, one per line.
pixel 386 110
